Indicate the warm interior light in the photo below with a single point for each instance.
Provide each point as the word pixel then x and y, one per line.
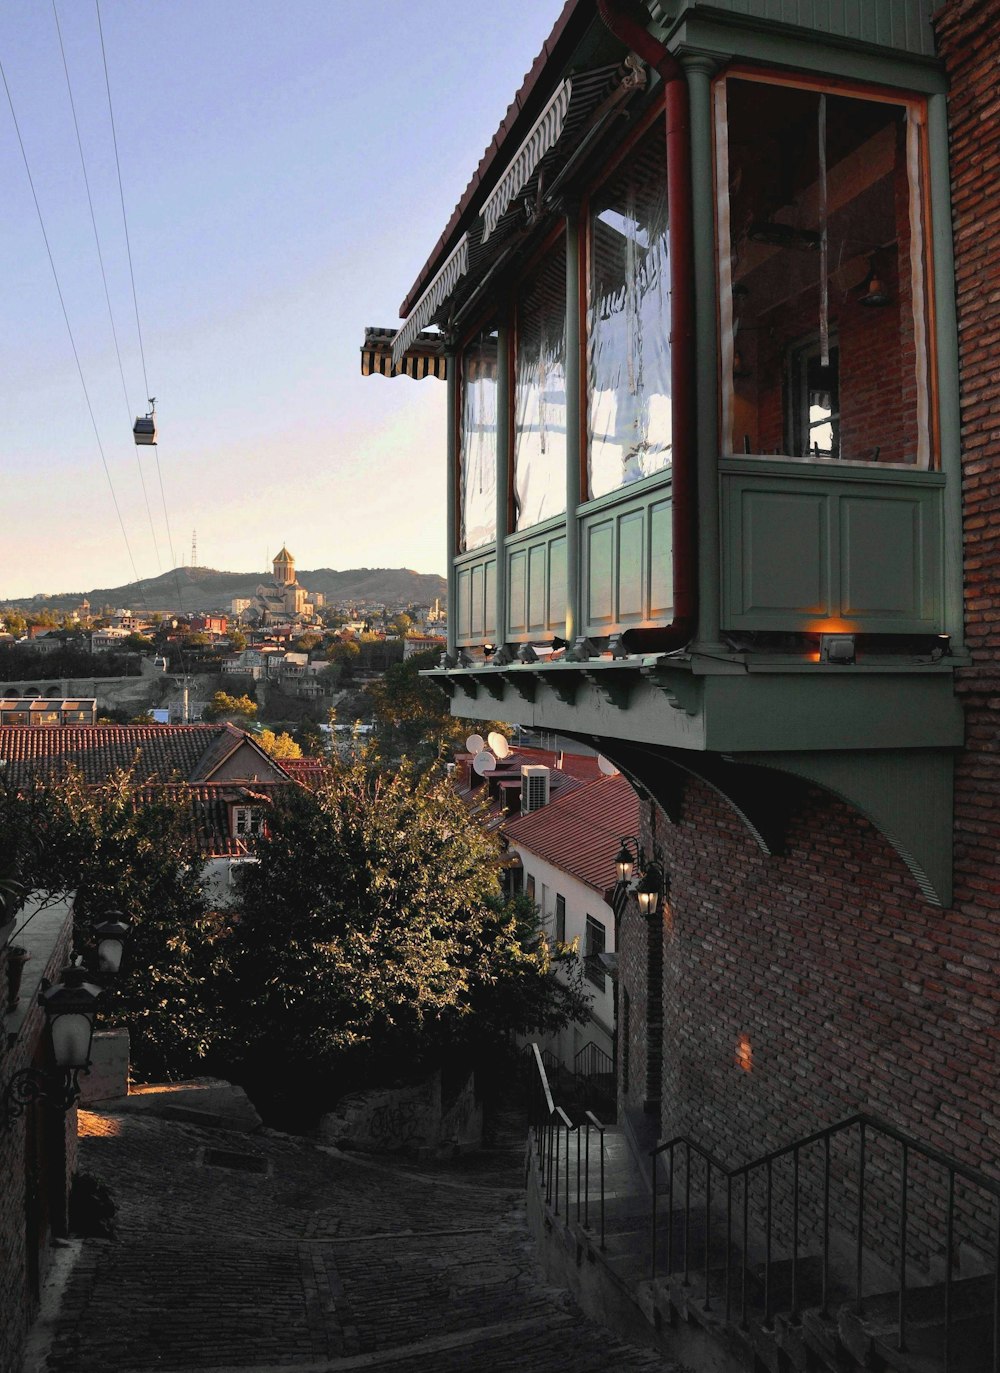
pixel 624 864
pixel 744 1054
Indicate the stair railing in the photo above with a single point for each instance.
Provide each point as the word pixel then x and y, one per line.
pixel 867 1127
pixel 591 1061
pixel 551 1128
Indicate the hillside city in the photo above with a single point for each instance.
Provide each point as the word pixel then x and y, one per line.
pixel 584 958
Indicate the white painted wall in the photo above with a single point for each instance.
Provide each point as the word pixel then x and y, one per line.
pixel 581 901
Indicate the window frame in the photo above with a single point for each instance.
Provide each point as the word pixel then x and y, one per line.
pixel 656 110
pixel 488 320
pixel 523 277
pixel 929 456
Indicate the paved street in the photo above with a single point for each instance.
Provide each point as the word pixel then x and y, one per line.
pixel 319 1263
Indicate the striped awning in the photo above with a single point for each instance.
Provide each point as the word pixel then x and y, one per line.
pixel 546 132
pixel 425 358
pixel 438 291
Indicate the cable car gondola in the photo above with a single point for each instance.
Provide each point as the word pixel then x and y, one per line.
pixel 144 429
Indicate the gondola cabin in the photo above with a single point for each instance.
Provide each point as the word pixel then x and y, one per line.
pixel 144 429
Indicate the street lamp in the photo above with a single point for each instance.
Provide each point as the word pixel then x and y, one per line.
pixel 629 857
pixel 111 934
pixel 69 1006
pixel 650 889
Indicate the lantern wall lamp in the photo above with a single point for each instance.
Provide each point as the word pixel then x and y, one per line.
pixel 630 861
pixel 70 1006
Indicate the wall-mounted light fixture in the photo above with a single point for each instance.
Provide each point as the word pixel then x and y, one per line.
pixel 874 292
pixel 631 860
pixel 70 1006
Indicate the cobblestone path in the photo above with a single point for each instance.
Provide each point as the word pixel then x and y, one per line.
pixel 319 1264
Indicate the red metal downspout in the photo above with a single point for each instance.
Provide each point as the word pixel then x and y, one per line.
pixel 680 631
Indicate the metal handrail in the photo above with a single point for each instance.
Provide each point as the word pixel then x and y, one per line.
pixel 866 1126
pixel 550 1124
pixel 596 1062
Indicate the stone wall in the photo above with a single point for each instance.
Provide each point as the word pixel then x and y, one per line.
pixel 411 1120
pixel 38 1151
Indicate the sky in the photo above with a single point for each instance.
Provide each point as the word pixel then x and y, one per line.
pixel 287 167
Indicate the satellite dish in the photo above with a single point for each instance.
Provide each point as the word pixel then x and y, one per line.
pixel 606 766
pixel 483 763
pixel 475 743
pixel 498 744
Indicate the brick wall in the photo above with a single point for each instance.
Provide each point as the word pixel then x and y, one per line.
pixel 51 1141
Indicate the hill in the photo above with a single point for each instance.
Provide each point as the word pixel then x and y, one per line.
pixel 203 588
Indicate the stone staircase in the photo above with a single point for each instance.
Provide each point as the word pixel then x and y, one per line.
pixel 763 1305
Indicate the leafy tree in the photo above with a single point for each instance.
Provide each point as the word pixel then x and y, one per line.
pixel 278 745
pixel 305 643
pixel 412 717
pixel 371 941
pixel 145 717
pixel 119 848
pixel 222 706
pixel 346 652
pixel 237 640
pixel 139 642
pixel 402 624
pixel 311 739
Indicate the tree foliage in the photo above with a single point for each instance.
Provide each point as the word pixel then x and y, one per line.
pixel 222 706
pixel 279 745
pixel 121 849
pixel 372 940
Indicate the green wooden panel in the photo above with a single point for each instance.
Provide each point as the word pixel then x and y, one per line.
pixel 537 588
pixel 599 549
pixel 490 593
pixel 631 568
pixel 556 606
pixel 660 602
pixel 785 553
pixel 464 605
pixel 477 595
pixel 803 544
pixel 517 577
pixel 904 25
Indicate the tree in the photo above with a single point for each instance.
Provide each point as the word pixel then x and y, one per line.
pixel 346 652
pixel 278 745
pixel 305 643
pixel 371 941
pixel 139 642
pixel 120 848
pixel 222 706
pixel 412 717
pixel 402 624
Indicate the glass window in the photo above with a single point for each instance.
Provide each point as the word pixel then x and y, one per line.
pixel 247 820
pixel 478 442
pixel 630 422
pixel 596 943
pixel 822 276
pixel 529 886
pixel 540 394
pixel 561 918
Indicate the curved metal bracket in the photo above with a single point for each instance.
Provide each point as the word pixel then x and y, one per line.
pixel 60 1089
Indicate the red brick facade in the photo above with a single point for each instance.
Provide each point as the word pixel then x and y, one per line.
pixel 799 989
pixel 37 1161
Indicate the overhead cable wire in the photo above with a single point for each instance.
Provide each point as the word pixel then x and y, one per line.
pixel 72 340
pixel 104 278
pixel 135 302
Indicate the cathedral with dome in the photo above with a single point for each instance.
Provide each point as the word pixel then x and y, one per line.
pixel 283 600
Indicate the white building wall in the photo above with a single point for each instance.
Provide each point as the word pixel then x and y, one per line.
pixel 581 901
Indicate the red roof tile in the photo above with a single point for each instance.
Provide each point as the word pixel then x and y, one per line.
pixel 580 831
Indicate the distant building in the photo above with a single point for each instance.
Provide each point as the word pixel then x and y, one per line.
pixel 283 599
pixel 47 710
pixel 107 640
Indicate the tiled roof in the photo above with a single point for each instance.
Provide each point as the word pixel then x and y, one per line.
pixel 158 752
pixel 580 831
pixel 576 769
pixel 209 811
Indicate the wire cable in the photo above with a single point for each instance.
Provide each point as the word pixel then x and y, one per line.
pixel 104 278
pixel 72 340
pixel 138 325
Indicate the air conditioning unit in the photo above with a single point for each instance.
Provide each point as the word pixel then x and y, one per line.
pixel 534 788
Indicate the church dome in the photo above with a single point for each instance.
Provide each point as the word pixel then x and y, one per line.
pixel 285 558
